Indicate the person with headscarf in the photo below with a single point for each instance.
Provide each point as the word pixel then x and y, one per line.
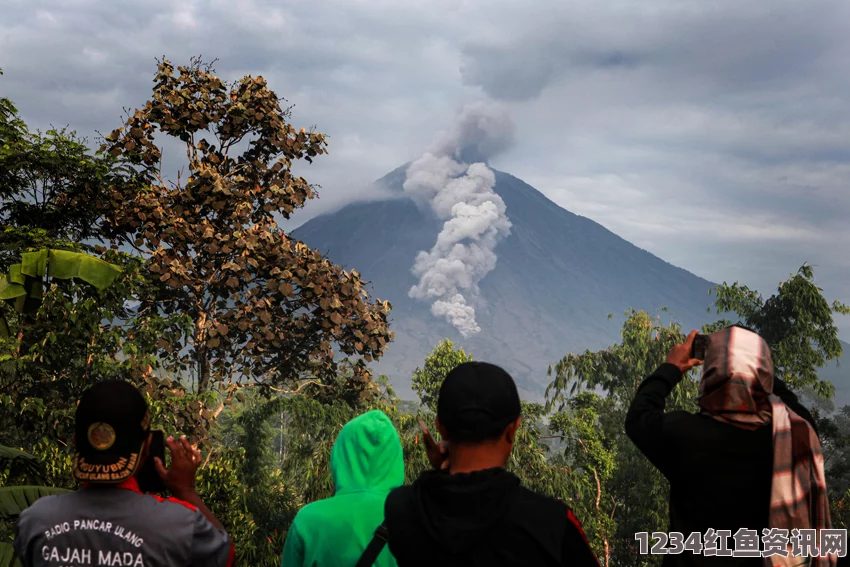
pixel 747 462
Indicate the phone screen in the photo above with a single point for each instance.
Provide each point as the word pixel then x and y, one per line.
pixel 700 346
pixel 149 480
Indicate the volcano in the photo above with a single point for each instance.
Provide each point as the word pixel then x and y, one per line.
pixel 558 277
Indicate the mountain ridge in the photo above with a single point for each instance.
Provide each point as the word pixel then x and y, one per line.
pixel 557 278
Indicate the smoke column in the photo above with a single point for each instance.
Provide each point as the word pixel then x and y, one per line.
pixel 462 195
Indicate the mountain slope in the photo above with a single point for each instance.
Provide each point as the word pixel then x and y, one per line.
pixel 558 277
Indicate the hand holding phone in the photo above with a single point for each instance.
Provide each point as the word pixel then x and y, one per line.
pixel 179 477
pixel 699 347
pixel 148 478
pixel 683 355
pixel 438 453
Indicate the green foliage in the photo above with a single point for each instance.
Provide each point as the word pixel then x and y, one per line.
pixel 797 323
pixel 7 556
pixel 590 456
pixel 427 380
pixel 308 431
pixel 834 432
pixel 224 490
pixel 17 463
pixel 51 180
pixel 625 506
pixel 79 334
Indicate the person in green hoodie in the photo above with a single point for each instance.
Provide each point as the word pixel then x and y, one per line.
pixel 366 464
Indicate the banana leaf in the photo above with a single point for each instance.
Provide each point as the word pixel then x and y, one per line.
pixel 23 288
pixel 7 556
pixel 19 461
pixel 16 499
pixel 93 271
pixel 12 284
pixel 15 275
pixel 35 263
pixel 9 454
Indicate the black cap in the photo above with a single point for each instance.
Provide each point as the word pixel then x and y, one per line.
pixel 477 401
pixel 112 425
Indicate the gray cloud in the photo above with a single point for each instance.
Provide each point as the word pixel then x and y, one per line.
pixel 714 134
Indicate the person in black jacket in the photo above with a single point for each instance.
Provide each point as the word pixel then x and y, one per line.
pixel 724 462
pixel 470 511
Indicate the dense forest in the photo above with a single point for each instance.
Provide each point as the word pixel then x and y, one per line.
pixel 259 348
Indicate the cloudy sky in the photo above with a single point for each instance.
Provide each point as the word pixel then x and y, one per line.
pixel 714 134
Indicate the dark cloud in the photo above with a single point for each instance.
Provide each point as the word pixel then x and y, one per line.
pixel 707 49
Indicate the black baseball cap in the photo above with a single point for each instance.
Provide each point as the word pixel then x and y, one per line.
pixel 112 425
pixel 477 401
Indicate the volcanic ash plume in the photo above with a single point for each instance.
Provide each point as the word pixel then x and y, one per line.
pixel 463 196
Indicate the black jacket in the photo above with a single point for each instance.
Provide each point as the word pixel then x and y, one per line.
pixel 481 518
pixel 720 475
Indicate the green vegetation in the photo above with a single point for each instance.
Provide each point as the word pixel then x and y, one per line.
pixel 234 331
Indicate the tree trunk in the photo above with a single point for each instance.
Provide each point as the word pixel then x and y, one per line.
pixel 201 355
pixel 203 371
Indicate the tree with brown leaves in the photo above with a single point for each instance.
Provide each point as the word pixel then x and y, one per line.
pixel 265 308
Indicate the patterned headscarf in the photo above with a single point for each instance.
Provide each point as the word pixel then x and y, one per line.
pixel 737 388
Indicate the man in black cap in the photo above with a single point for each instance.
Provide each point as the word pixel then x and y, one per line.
pixel 110 521
pixel 470 510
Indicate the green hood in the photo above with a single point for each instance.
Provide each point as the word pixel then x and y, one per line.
pixel 367 455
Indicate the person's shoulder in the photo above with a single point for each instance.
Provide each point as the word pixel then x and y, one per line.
pixel 400 502
pixel 540 505
pixel 48 506
pixel 403 491
pixel 316 511
pixel 679 417
pixel 170 505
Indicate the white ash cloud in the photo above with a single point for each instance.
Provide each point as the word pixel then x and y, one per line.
pixel 452 178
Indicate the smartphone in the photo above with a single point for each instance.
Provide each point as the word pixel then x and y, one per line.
pixel 149 480
pixel 699 347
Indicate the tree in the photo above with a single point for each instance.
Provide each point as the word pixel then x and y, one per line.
pixel 589 448
pixel 263 307
pixel 797 322
pixel 632 494
pixel 835 441
pixel 48 181
pixel 428 379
